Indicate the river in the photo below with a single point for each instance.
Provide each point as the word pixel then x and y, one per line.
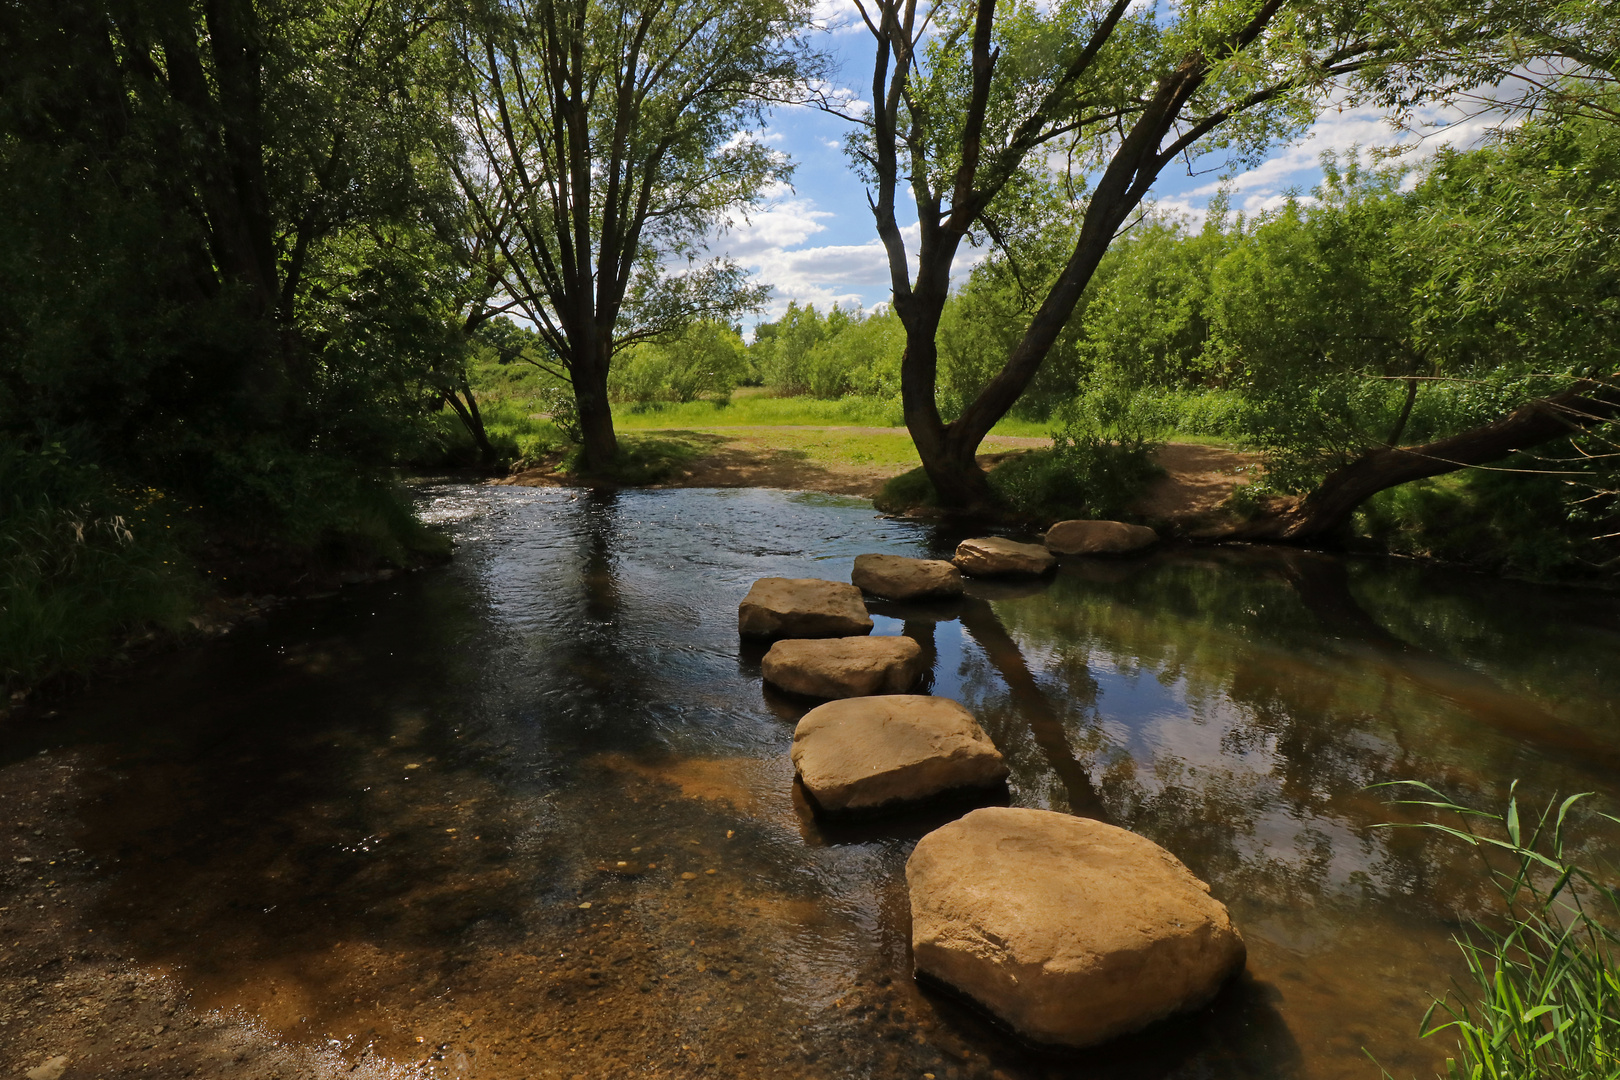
pixel 445 818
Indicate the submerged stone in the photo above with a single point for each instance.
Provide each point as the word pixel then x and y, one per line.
pixel 864 753
pixel 1071 931
pixel 802 608
pixel 844 667
pixel 1098 538
pixel 992 556
pixel 895 577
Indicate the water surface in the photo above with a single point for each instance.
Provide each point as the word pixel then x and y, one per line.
pixel 447 817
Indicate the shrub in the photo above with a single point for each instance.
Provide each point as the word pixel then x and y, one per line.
pixel 82 565
pixel 907 491
pixel 1082 476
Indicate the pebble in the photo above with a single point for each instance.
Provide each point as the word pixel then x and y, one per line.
pixel 689 876
pixel 586 906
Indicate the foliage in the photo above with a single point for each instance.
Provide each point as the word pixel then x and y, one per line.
pixel 1544 971
pixel 1084 475
pixel 986 317
pixel 1511 58
pixel 704 360
pixel 222 282
pixel 1518 522
pixel 644 459
pixel 844 353
pixel 910 490
pixel 977 105
pixel 599 147
pixel 82 566
pixel 762 410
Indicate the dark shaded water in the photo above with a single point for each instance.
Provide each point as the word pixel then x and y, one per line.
pixel 378 818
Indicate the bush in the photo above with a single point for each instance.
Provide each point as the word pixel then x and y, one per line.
pixel 82 565
pixel 845 353
pixel 908 491
pixel 1082 476
pixel 706 360
pixel 1500 521
pixel 1543 998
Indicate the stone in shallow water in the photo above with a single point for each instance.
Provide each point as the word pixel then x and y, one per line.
pixel 1098 538
pixel 895 577
pixel 865 753
pixel 990 556
pixel 1071 931
pixel 802 608
pixel 844 667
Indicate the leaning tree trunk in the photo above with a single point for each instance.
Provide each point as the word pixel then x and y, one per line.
pixel 1326 511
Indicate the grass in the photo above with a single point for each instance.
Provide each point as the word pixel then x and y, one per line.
pixel 758 407
pixel 1542 998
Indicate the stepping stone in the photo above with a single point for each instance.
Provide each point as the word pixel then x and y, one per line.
pixel 865 753
pixel 992 556
pixel 1098 538
pixel 895 577
pixel 844 667
pixel 1070 931
pixel 802 608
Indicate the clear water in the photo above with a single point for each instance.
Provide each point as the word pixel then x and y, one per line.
pixel 377 817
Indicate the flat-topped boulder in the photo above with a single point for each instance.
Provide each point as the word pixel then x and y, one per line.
pixel 1098 538
pixel 995 556
pixel 1071 931
pixel 862 754
pixel 895 577
pixel 844 667
pixel 802 608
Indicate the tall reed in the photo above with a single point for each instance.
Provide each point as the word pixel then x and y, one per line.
pixel 1542 997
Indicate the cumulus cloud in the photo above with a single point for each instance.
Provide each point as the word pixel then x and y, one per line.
pixel 1295 169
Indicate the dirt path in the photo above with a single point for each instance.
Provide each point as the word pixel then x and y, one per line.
pixel 1197 482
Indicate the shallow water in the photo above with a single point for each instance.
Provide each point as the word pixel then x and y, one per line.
pixel 378 818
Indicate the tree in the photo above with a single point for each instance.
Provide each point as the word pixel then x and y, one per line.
pixel 1497 275
pixel 215 230
pixel 602 146
pixel 979 104
pixel 1505 58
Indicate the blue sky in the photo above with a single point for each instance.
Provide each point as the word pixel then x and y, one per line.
pixel 815 241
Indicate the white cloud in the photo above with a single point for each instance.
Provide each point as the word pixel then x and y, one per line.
pixel 837 17
pixel 1297 167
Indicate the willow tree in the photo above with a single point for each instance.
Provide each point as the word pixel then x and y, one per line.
pixel 605 143
pixel 978 104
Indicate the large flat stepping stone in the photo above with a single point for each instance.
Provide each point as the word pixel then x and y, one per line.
pixel 995 556
pixel 844 667
pixel 802 608
pixel 1070 931
pixel 895 577
pixel 1098 538
pixel 865 753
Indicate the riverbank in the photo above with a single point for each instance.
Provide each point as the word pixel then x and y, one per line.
pixel 1191 494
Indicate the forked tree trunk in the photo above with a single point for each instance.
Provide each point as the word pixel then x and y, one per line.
pixel 1326 512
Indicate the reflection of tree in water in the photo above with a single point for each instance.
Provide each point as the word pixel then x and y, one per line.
pixel 1283 698
pixel 1036 707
